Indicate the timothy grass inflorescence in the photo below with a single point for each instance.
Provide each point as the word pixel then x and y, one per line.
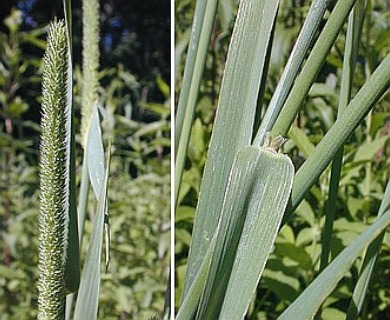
pixel 54 173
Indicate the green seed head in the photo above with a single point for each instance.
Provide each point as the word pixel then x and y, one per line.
pixel 54 173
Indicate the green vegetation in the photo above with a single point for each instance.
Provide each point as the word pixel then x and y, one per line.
pixel 134 284
pixel 331 103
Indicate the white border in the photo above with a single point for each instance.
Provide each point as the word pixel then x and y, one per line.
pixel 172 267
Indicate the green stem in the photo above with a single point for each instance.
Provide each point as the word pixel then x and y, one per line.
pixel 82 209
pixel 197 51
pixel 312 67
pixel 291 69
pixel 355 24
pixel 362 103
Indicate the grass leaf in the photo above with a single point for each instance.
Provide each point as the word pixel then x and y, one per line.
pixel 361 104
pixel 312 66
pixel 88 296
pixel 234 119
pixel 293 65
pixel 307 304
pixel 196 57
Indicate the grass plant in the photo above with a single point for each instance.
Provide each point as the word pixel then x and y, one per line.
pixel 58 224
pixel 242 98
pixel 133 285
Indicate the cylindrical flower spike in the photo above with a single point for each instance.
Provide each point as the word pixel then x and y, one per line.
pixel 90 64
pixel 54 176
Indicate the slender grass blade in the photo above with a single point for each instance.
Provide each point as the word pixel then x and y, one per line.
pixel 88 296
pixel 308 303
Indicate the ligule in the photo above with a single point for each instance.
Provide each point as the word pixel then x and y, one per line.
pixel 54 173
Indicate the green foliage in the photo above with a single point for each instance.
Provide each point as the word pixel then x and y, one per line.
pixel 19 242
pixel 140 244
pixel 139 192
pixel 294 262
pixel 19 82
pixel 139 197
pixel 18 171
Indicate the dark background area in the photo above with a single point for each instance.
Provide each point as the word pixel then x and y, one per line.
pixel 134 43
pixel 134 33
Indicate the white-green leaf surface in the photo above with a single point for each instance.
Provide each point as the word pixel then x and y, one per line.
pixel 264 205
pixel 95 152
pixel 95 163
pixel 190 304
pixel 88 296
pixel 234 119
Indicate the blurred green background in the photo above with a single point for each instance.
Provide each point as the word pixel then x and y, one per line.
pixel 134 91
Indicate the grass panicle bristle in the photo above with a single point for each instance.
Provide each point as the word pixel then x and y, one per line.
pixel 54 174
pixel 90 63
